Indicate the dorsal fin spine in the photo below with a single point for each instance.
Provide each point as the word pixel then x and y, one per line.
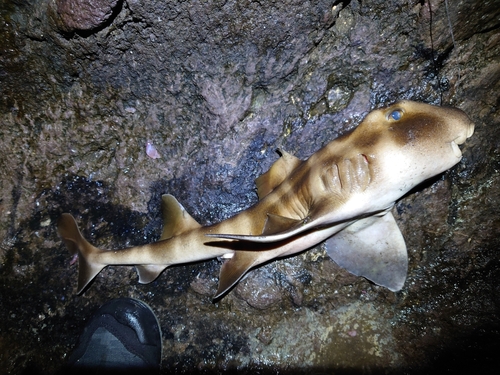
pixel 278 172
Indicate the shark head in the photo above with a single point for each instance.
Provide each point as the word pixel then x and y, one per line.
pixel 409 142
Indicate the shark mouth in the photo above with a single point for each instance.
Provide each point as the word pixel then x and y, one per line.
pixel 456 149
pixel 461 139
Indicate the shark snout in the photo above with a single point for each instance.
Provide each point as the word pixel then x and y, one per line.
pixel 461 127
pixel 464 125
pixel 466 132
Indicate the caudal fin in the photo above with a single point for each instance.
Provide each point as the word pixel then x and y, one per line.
pixel 77 245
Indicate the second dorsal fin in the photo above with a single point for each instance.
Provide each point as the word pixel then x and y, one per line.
pixel 176 219
pixel 280 170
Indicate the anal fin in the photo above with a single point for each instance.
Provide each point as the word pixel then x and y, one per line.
pixel 148 273
pixel 176 220
pixel 374 248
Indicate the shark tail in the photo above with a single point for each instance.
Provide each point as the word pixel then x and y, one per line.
pixel 176 221
pixel 79 246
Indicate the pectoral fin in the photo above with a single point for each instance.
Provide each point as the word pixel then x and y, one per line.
pixel 234 269
pixel 280 170
pixel 372 247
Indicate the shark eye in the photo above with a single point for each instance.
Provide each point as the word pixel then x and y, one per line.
pixel 396 114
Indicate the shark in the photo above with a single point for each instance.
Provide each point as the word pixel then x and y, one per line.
pixel 342 194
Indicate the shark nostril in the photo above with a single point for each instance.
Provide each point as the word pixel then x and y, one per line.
pixel 470 130
pixel 456 149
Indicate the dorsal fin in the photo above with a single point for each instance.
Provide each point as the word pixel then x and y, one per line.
pixel 280 170
pixel 176 219
pixel 277 224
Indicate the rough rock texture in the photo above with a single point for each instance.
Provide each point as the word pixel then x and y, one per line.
pixel 216 87
pixel 81 15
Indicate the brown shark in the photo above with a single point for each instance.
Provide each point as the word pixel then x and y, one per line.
pixel 343 193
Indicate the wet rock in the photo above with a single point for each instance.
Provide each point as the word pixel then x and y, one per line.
pixel 260 298
pixel 446 22
pixel 82 15
pixel 204 285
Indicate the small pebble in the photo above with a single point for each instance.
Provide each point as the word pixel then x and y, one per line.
pixel 151 151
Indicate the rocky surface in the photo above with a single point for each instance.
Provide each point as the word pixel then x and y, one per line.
pixel 216 87
pixel 82 15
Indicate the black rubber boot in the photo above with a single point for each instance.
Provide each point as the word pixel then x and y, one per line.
pixel 123 336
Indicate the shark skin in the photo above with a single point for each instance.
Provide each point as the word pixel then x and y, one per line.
pixel 343 194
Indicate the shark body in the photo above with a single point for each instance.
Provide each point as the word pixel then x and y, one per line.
pixel 343 194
